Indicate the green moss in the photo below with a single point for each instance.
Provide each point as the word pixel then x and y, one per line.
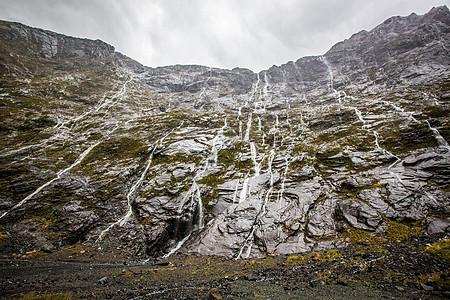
pixel 399 139
pixel 117 148
pixel 330 159
pixel 226 157
pixel 329 255
pixel 348 191
pixel 440 249
pixel 398 231
pixel 361 237
pixel 212 180
pixel 3 236
pixel 435 112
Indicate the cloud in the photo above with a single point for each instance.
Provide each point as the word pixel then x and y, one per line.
pixel 221 33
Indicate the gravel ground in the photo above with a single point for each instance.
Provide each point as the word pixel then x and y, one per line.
pixel 391 271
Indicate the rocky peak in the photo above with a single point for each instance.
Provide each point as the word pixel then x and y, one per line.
pixel 49 44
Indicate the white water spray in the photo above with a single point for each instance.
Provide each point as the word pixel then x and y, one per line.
pixel 244 190
pixel 178 246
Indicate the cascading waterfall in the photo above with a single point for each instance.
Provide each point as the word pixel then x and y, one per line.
pixel 119 95
pixel 255 163
pixel 330 78
pixel 438 137
pixel 102 104
pixel 269 164
pixel 244 190
pixel 366 126
pixel 178 246
pixel 249 238
pixel 248 180
pixel 240 122
pixel 260 129
pixel 235 192
pixel 255 88
pixel 58 176
pixel 330 73
pixel 266 91
pixel 274 130
pixel 130 195
pixel 283 183
pixel 218 140
pixel 249 125
pixel 195 191
pixel 441 141
pixel 122 221
pixel 199 206
pixel 399 109
pixel 359 115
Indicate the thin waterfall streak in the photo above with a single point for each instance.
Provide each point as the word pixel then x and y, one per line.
pixel 236 191
pixel 249 125
pixel 123 220
pixel 58 176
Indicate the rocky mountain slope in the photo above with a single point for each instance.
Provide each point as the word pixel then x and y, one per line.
pixel 348 147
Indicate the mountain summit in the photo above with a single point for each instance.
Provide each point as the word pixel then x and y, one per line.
pixel 101 152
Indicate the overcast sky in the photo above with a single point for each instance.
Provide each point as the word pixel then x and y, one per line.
pixel 221 33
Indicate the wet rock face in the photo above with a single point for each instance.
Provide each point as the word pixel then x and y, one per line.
pixel 359 215
pixel 314 154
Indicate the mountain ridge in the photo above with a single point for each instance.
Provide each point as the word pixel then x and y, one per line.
pixel 341 148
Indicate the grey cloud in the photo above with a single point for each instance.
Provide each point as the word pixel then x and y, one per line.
pixel 220 33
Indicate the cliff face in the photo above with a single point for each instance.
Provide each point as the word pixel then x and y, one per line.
pixel 401 51
pixel 47 44
pixel 342 148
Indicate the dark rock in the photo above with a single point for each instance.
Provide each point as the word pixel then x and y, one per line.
pixel 342 281
pixel 214 296
pixel 438 226
pixel 252 277
pixel 359 214
pixel 426 287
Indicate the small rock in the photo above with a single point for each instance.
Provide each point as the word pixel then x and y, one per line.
pixel 251 277
pixel 342 281
pixel 103 281
pixel 399 288
pixel 313 283
pixel 438 226
pixel 426 287
pixel 213 296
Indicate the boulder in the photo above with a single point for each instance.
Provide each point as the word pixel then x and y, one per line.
pixel 359 214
